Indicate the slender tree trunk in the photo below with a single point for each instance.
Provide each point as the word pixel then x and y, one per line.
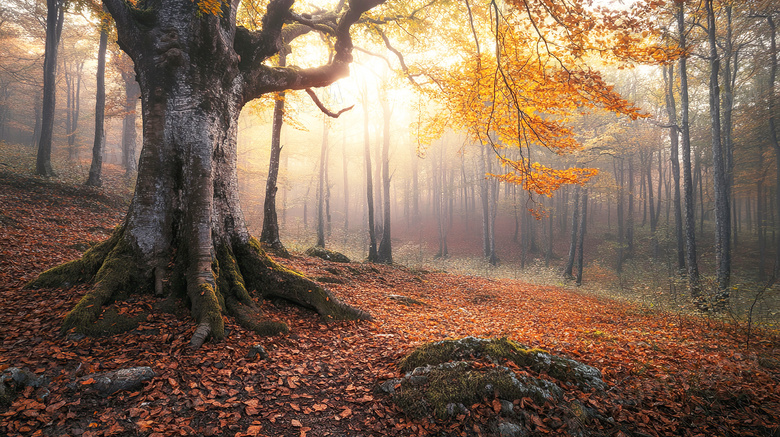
pixel 96 169
pixel 722 208
pixel 694 282
pixel 132 93
pixel 76 112
pixel 385 252
pixel 581 244
pixel 761 228
pixel 345 171
pixel 269 235
pixel 773 134
pixel 373 255
pixel 55 14
pixel 485 197
pixel 621 223
pixel 651 206
pixel 321 185
pixel 575 219
pixel 674 134
pixel 631 213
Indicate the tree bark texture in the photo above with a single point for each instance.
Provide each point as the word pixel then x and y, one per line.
pixel 694 282
pixel 773 135
pixel 674 136
pixel 270 235
pixel 96 168
pixel 322 185
pixel 581 243
pixel 185 232
pixel 129 137
pixel 385 252
pixel 722 207
pixel 575 215
pixel 55 14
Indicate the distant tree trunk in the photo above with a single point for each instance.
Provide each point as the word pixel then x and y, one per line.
pixel 270 235
pixel 674 132
pixel 722 207
pixel 493 188
pixel 621 224
pixel 55 14
pixel 322 185
pixel 439 172
pixel 761 228
pixel 575 219
pixel 484 190
pixel 550 236
pixel 385 253
pixel 581 244
pixel 631 213
pixel 373 256
pixel 345 171
pixel 95 170
pixel 694 282
pixel 415 188
pixel 132 94
pixel 773 135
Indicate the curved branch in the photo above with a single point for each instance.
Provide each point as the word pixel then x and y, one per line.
pixel 260 79
pixel 126 18
pixel 322 107
pixel 399 55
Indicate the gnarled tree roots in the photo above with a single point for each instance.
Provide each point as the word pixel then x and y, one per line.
pixel 236 268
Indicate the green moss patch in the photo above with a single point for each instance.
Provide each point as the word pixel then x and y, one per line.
pixel 446 389
pixel 327 254
pixel 500 351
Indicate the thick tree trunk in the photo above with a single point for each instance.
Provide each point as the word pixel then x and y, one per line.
pixel 719 161
pixel 184 233
pixel 96 168
pixel 55 15
pixel 694 283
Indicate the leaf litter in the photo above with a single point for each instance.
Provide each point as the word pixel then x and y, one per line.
pixel 667 374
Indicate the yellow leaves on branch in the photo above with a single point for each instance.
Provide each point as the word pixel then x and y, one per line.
pixel 210 7
pixel 541 179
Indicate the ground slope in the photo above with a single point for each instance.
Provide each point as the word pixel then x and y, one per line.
pixel 667 375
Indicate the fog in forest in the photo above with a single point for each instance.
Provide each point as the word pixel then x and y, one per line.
pixel 447 208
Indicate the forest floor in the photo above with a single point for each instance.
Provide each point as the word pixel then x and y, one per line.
pixel 666 374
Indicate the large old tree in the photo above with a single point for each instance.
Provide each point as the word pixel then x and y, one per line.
pixel 184 231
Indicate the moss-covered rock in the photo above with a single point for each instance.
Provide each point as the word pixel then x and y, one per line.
pixel 436 389
pixel 327 254
pixel 501 350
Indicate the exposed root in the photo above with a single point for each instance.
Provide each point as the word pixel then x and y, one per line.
pixel 250 318
pixel 201 334
pixel 213 291
pixel 117 276
pixel 273 280
pixel 77 271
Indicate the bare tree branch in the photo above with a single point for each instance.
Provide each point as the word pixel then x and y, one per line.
pixel 322 107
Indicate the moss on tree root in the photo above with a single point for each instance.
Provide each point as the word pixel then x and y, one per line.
pixel 117 272
pixel 77 271
pixel 273 280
